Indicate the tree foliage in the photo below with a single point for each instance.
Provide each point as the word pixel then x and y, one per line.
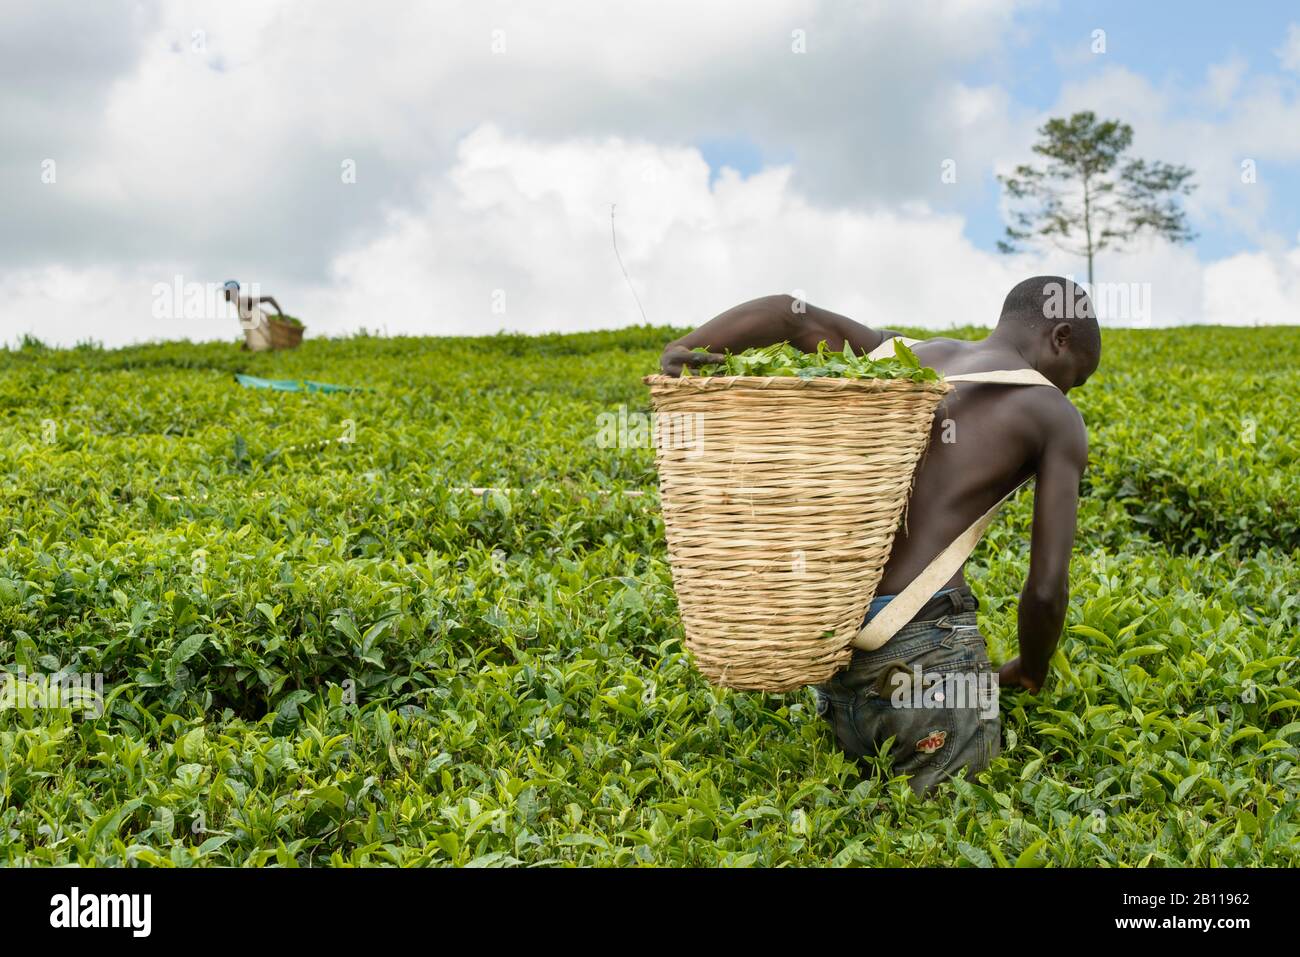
pixel 1088 197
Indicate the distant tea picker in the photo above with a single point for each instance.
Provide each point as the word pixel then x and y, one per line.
pixel 263 331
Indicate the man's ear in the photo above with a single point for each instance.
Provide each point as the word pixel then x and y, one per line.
pixel 1061 336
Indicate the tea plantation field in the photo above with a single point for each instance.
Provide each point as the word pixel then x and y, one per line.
pixel 318 649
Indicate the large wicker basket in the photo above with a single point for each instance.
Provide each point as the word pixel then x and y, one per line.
pixel 284 335
pixel 780 499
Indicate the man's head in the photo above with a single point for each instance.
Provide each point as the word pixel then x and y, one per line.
pixel 231 288
pixel 1052 319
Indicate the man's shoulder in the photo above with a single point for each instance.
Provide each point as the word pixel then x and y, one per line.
pixel 1061 410
pixel 1061 425
pixel 936 346
pixel 936 340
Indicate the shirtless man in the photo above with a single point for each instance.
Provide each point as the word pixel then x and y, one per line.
pixel 997 436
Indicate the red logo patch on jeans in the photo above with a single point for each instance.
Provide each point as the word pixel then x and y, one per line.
pixel 932 742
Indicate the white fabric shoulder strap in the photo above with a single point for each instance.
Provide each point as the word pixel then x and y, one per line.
pixel 912 598
pixel 1002 376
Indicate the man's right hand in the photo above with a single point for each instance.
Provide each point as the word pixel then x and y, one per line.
pixel 1010 675
pixel 674 357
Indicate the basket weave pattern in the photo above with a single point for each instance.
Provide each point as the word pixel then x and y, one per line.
pixel 781 513
pixel 284 335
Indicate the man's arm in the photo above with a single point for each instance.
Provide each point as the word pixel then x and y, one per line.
pixel 1046 595
pixel 764 321
pixel 271 300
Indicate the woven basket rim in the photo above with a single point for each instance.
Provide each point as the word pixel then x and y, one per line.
pixel 795 383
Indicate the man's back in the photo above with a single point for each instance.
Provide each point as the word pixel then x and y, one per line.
pixel 986 440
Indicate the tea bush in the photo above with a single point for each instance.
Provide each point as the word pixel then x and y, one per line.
pixel 319 647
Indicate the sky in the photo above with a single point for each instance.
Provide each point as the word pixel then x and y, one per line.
pixel 452 168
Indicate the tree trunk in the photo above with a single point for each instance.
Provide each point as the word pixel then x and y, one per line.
pixel 1087 226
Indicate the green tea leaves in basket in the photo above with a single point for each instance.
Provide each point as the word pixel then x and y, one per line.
pixel 783 359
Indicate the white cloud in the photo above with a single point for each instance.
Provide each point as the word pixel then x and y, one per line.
pixel 1213 129
pixel 691 249
pixel 1289 54
pixel 1223 81
pixel 528 220
pixel 228 152
pixel 481 171
pixel 1254 288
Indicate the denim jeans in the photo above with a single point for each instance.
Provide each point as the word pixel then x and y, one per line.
pixel 930 689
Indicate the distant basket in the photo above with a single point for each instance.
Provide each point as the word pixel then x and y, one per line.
pixel 780 500
pixel 284 335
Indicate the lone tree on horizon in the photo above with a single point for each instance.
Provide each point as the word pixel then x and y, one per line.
pixel 1083 201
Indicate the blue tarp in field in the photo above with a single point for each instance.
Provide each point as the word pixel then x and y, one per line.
pixel 290 385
